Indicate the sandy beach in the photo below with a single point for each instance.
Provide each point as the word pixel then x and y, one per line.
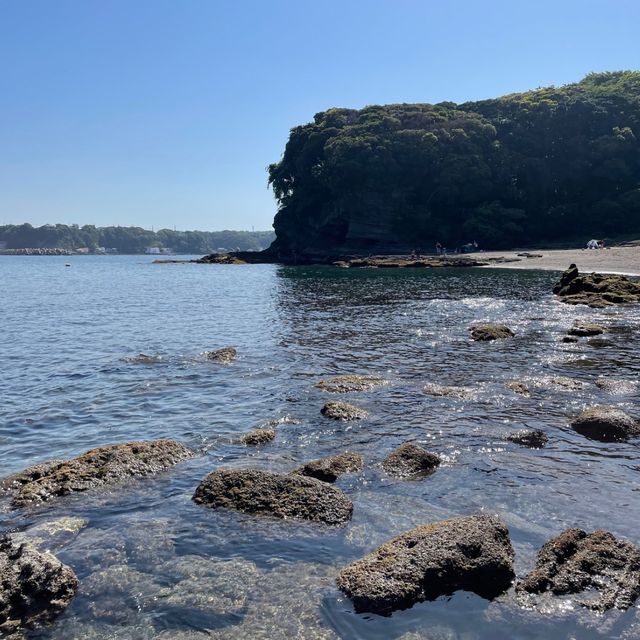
pixel 623 260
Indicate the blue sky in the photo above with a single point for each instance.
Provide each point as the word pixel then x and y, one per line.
pixel 166 113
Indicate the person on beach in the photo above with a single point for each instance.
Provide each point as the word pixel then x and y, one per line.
pixel 438 248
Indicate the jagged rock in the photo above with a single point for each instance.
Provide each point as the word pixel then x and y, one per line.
pixel 343 411
pixel 569 339
pixel 536 439
pixel 35 587
pixel 518 387
pixel 576 561
pixel 440 391
pixel 101 466
pixel 607 424
pixel 488 332
pixel 331 468
pixel 258 436
pixel 222 356
pixel 471 553
pixel 282 496
pixel 350 382
pixel 586 329
pixel 409 461
pixel 596 290
pixel 616 387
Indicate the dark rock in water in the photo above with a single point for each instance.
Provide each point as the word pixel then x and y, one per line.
pixel 595 289
pixel 586 329
pixel 607 424
pixel 536 439
pixel 220 258
pixel 472 553
pixel 331 468
pixel 35 587
pixel 410 461
pixel 223 356
pixel 576 561
pixel 278 495
pixel 488 332
pixel 569 339
pixel 258 436
pixel 599 342
pixel 101 466
pixel 350 382
pixel 343 411
pixel 441 391
pixel 518 387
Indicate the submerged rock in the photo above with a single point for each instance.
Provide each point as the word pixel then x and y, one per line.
pixel 350 382
pixel 471 553
pixel 278 495
pixel 561 382
pixel 586 329
pixel 536 438
pixel 101 466
pixel 331 468
pixel 576 561
pixel 616 387
pixel 518 387
pixel 607 424
pixel 343 411
pixel 52 534
pixel 488 332
pixel 569 339
pixel 461 393
pixel 35 587
pixel 223 356
pixel 595 289
pixel 410 461
pixel 258 436
pixel 143 358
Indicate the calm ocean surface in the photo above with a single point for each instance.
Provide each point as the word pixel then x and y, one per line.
pixel 67 385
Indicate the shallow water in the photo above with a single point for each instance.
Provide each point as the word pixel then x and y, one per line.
pixel 152 564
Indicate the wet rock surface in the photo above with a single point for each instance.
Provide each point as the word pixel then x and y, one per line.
pixel 575 561
pixel 350 382
pixel 225 355
pixel 258 437
pixel 586 329
pixel 485 332
pixel 535 438
pixel 596 290
pixel 343 411
pixel 441 391
pixel 35 587
pixel 607 424
pixel 331 468
pixel 410 461
pixel 278 495
pixel 470 553
pixel 518 387
pixel 98 467
pixel 615 386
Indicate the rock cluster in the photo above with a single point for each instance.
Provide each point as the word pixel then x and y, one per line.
pixel 331 468
pixel 410 461
pixel 101 466
pixel 607 424
pixel 596 290
pixel 576 561
pixel 471 553
pixel 225 355
pixel 35 587
pixel 535 439
pixel 488 332
pixel 275 494
pixel 258 436
pixel 441 391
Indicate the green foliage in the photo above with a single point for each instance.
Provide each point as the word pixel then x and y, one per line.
pixel 545 165
pixel 131 239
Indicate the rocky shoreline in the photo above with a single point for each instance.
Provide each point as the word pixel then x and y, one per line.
pixel 437 558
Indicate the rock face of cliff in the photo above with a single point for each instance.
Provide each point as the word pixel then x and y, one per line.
pixel 529 167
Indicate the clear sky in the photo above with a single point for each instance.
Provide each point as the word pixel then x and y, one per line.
pixel 164 113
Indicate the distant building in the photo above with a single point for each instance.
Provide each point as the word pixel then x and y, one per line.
pixel 156 251
pixel 83 250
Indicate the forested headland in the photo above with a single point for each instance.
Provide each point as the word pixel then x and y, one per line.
pixel 130 239
pixel 549 165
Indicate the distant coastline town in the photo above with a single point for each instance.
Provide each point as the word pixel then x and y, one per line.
pixel 60 239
